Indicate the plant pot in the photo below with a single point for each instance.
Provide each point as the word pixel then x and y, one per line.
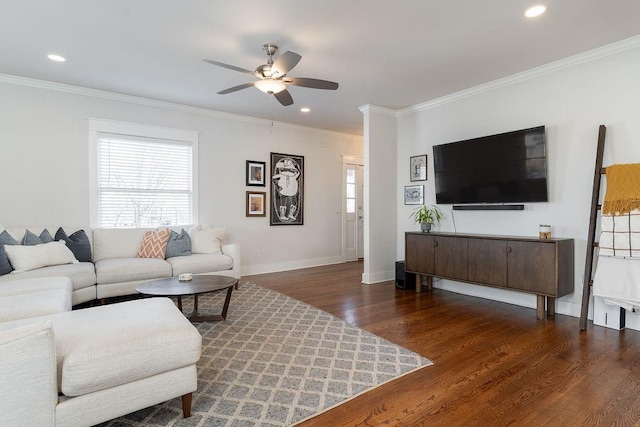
pixel 426 227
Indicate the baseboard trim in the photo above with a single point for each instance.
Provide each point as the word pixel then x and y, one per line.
pixel 290 265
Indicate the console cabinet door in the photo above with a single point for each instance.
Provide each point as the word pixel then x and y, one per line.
pixel 488 262
pixel 419 253
pixel 451 257
pixel 532 267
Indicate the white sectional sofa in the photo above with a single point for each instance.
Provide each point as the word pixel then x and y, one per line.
pixel 115 269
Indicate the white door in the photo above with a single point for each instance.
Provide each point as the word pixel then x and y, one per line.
pixel 354 211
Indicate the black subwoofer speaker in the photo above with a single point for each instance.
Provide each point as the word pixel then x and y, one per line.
pixel 404 280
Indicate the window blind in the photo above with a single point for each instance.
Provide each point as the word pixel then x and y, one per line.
pixel 143 182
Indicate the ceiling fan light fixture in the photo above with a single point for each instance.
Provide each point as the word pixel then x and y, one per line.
pixel 270 86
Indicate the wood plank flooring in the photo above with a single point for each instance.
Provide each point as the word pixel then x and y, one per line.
pixel 495 364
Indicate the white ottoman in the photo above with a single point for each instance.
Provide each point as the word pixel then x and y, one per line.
pixel 116 359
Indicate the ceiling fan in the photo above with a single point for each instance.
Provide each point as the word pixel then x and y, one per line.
pixel 273 76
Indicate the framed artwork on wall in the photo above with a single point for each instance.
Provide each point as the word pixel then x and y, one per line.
pixel 418 168
pixel 256 201
pixel 414 195
pixel 255 173
pixel 287 189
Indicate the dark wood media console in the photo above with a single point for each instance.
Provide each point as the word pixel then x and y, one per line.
pixel 543 267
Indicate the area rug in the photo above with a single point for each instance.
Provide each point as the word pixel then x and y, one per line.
pixel 277 361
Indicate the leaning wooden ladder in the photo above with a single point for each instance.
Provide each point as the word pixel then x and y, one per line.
pixel 596 206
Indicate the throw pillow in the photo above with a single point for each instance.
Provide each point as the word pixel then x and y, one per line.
pixel 154 244
pixel 78 242
pixel 179 244
pixel 5 265
pixel 24 258
pixel 46 237
pixel 205 239
pixel 7 239
pixel 30 239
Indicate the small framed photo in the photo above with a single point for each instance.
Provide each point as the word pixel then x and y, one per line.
pixel 256 203
pixel 418 168
pixel 414 195
pixel 255 173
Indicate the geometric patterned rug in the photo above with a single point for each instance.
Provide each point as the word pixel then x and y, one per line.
pixel 277 361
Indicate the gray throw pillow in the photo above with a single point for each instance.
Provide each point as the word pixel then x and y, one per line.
pixel 179 244
pixel 5 265
pixel 78 242
pixel 31 239
pixel 46 237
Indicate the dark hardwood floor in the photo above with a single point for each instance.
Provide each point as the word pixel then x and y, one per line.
pixel 495 364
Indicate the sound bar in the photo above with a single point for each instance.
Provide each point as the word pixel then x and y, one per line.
pixel 488 207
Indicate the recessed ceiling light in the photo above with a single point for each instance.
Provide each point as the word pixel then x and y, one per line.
pixel 305 109
pixel 56 58
pixel 534 11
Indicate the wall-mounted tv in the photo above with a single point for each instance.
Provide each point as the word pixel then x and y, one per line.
pixel 505 168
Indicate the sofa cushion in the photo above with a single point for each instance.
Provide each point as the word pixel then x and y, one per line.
pixel 24 258
pixel 154 244
pixel 82 274
pixel 30 239
pixel 200 263
pixel 106 346
pixel 205 239
pixel 21 299
pixel 117 242
pixel 179 244
pixel 78 243
pixel 117 270
pixel 7 239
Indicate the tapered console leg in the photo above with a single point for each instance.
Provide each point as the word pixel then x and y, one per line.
pixel 186 405
pixel 540 308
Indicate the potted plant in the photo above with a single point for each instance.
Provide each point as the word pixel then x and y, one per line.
pixel 427 216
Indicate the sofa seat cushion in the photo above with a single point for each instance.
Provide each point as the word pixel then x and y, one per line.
pixel 22 299
pixel 117 270
pixel 200 263
pixel 82 274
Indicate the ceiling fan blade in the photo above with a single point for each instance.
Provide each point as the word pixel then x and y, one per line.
pixel 230 67
pixel 312 83
pixel 284 97
pixel 285 63
pixel 235 88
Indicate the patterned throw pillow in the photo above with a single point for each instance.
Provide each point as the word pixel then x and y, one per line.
pixel 154 244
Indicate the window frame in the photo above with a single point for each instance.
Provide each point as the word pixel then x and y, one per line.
pixel 97 126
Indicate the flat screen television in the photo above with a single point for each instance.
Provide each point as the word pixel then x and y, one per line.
pixel 509 167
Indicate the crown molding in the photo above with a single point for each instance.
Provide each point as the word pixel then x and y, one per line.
pixel 552 67
pixel 147 102
pixel 370 108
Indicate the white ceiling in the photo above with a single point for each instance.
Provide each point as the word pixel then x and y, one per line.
pixel 392 54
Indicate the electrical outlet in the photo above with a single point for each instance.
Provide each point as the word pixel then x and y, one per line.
pixel 256 253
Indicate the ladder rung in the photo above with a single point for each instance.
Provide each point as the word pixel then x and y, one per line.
pixel 603 171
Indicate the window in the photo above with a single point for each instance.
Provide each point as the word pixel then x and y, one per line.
pixel 144 176
pixel 351 190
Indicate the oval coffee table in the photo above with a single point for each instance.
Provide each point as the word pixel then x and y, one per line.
pixel 172 287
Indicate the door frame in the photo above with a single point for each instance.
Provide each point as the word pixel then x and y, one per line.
pixel 347 160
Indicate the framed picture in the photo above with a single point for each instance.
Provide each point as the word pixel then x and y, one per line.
pixel 418 168
pixel 414 195
pixel 256 203
pixel 287 189
pixel 255 173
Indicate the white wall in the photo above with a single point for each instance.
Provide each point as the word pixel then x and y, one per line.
pixel 571 98
pixel 44 174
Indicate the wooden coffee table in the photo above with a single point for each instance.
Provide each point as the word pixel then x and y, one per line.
pixel 172 287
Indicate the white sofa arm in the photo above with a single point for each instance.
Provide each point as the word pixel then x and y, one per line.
pixel 28 384
pixel 233 250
